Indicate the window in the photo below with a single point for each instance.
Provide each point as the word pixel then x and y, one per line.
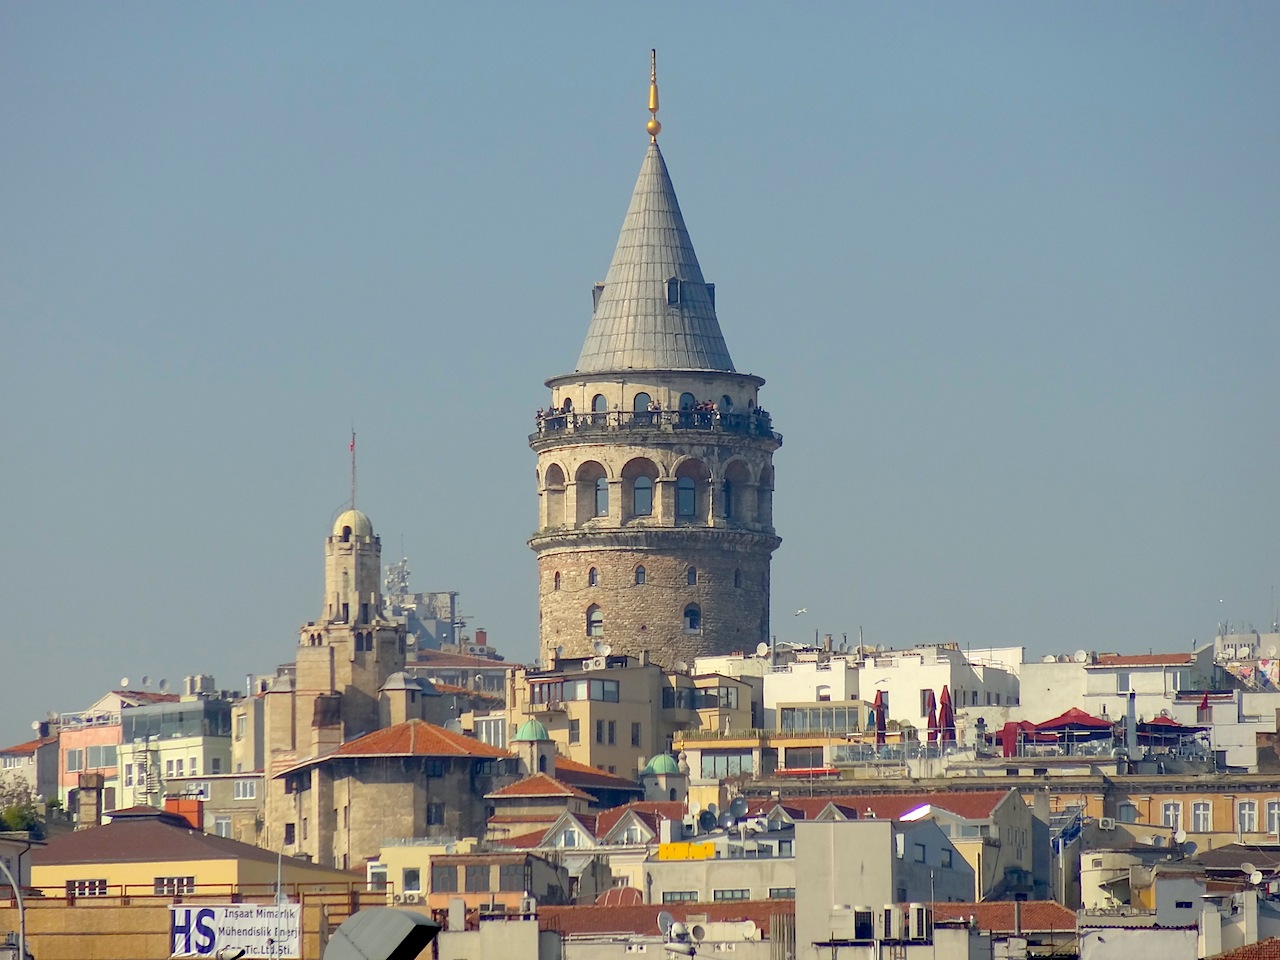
pixel 245 790
pixel 686 497
pixel 569 838
pixel 692 619
pixel 640 576
pixel 599 731
pixel 1128 813
pixel 673 292
pixel 222 826
pixel 242 726
pixel 679 896
pixel 691 575
pixel 1171 814
pixel 174 886
pixel 802 758
pixel 168 769
pixel 1122 681
pixel 613 731
pixel 412 878
pixel 290 834
pixel 557 581
pixel 75 760
pixel 642 497
pixel 444 879
pixel 477 877
pixel 435 814
pixel 635 734
pixel 593 577
pixel 1201 817
pixel 511 877
pixel 575 731
pixel 602 497
pixel 215 764
pixel 86 888
pixel 595 621
pixel 200 790
pixel 687 401
pixel 1247 816
pixel 128 774
pixel 782 893
pixel 435 767
pixel 946 857
pixel 919 853
pixel 786 848
pixel 1273 816
pixel 97 757
pixel 599 404
pixel 719 764
pixel 736 893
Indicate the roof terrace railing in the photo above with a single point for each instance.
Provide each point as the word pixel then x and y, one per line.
pixel 757 423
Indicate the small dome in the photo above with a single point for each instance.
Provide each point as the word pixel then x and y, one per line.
pixel 531 731
pixel 661 765
pixel 402 681
pixel 357 521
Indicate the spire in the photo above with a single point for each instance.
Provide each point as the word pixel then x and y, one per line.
pixel 653 126
pixel 654 311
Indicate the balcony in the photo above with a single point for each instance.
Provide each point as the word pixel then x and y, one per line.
pixel 757 423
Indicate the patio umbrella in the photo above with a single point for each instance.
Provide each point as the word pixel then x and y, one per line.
pixel 1165 731
pixel 932 705
pixel 879 709
pixel 946 717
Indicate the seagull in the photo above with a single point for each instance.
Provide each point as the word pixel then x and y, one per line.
pixel 801 610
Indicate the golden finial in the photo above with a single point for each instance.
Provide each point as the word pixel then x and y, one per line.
pixel 653 126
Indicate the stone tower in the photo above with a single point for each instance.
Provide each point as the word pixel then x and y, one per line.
pixel 655 461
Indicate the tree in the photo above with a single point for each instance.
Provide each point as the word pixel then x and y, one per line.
pixel 18 809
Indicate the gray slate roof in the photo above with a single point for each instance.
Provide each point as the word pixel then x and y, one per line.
pixel 634 326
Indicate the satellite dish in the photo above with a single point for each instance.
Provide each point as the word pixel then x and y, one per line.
pixel 598 646
pixel 726 820
pixel 1188 849
pixel 1080 656
pixel 1271 651
pixel 1048 658
pixel 762 649
pixel 681 667
pixel 35 724
pixel 453 726
pixel 1247 867
pixel 1255 877
pixel 537 664
pixel 163 684
pixel 694 807
pixel 706 821
pixel 146 681
pixel 1180 837
pixel 665 920
pixel 738 808
pixel 124 683
pixel 713 808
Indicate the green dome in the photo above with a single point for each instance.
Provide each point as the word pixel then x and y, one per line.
pixel 662 764
pixel 531 731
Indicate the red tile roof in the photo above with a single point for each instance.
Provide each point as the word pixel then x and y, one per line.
pixel 1038 916
pixel 538 785
pixel 454 689
pixel 643 919
pixel 31 746
pixel 144 834
pixel 1143 659
pixel 650 810
pixel 417 738
pixel 1262 950
pixel 523 841
pixel 582 775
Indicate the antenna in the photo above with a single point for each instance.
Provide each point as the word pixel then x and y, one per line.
pixel 353 467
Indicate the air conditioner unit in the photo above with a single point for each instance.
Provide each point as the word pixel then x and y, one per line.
pixel 597 663
pixel 413 898
pixel 882 923
pixel 919 922
pixel 398 898
pixel 1106 823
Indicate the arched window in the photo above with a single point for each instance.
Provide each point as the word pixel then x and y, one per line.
pixel 692 619
pixel 641 403
pixel 726 403
pixel 557 581
pixel 542 763
pixel 640 575
pixel 686 497
pixel 737 578
pixel 642 497
pixel 593 577
pixel 602 497
pixel 687 401
pixel 673 794
pixel 346 534
pixel 599 404
pixel 728 499
pixel 673 291
pixel 595 621
pixel 568 405
pixel 692 575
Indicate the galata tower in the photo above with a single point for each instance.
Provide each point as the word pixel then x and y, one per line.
pixel 655 460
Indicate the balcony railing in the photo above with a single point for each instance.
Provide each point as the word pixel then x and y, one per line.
pixel 754 424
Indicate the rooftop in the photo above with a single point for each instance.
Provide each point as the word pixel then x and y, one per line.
pixel 538 785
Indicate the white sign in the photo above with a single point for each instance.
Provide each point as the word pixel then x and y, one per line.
pixel 260 930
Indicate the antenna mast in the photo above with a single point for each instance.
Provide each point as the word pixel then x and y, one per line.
pixel 353 469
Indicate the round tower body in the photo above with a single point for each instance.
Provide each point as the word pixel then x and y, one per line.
pixel 655 464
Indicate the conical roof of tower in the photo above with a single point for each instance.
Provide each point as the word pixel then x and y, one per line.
pixel 636 326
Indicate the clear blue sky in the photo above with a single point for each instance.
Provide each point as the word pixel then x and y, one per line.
pixel 1010 270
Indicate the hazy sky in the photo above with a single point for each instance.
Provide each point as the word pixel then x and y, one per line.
pixel 1010 270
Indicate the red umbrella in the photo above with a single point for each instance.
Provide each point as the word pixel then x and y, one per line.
pixel 946 717
pixel 933 716
pixel 1074 719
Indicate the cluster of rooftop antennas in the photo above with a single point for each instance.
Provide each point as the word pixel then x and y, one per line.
pixel 709 818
